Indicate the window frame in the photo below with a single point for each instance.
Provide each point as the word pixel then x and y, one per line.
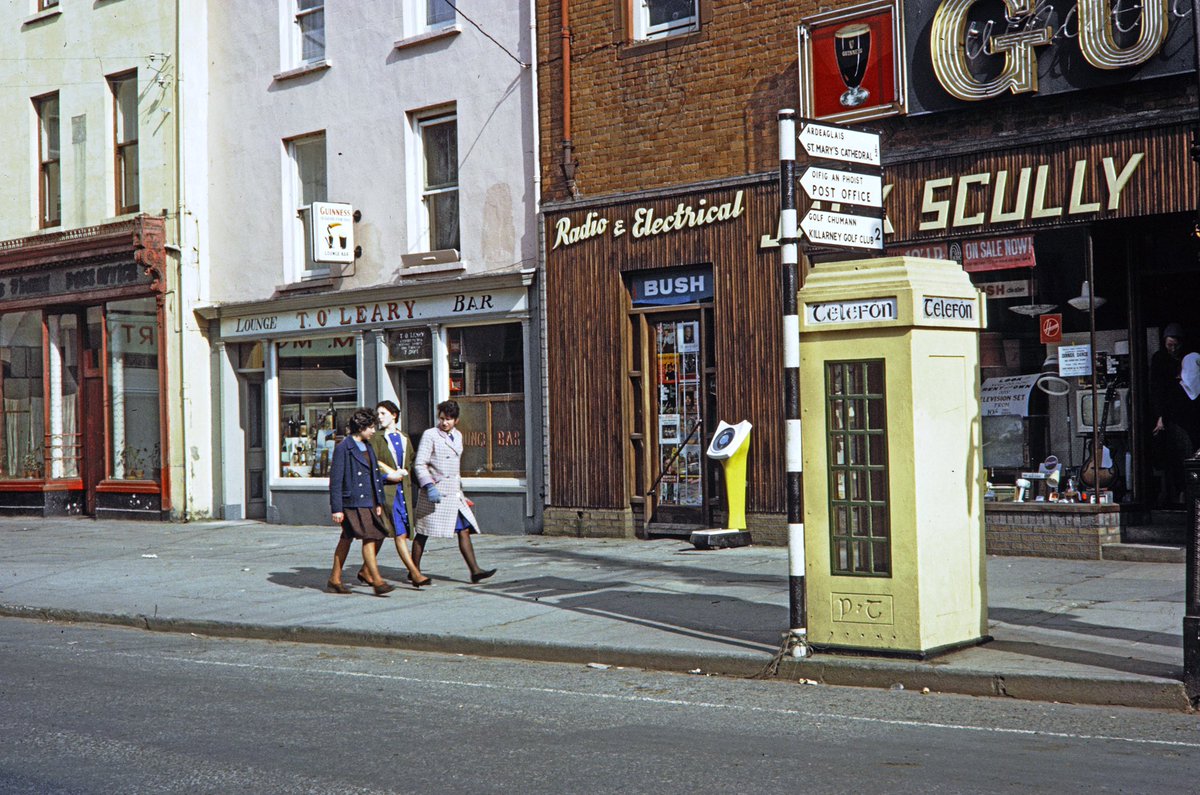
pixel 424 193
pixel 297 15
pixel 46 5
pixel 120 148
pixel 44 163
pixel 640 29
pixel 298 213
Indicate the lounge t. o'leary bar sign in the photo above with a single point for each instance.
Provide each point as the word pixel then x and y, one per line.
pixel 961 52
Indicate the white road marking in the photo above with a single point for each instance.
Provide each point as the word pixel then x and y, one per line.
pixel 679 702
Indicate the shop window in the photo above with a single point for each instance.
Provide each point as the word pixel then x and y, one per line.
pixel 438 139
pixel 308 185
pixel 133 333
pixel 487 378
pixel 49 166
pixel 318 391
pixel 125 140
pixel 22 424
pixel 656 19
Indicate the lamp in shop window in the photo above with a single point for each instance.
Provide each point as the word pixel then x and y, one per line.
pixel 1050 381
pixel 1086 299
pixel 1032 309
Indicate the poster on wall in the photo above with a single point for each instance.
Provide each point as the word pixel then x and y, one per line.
pixel 850 65
pixel 668 429
pixel 668 368
pixel 689 491
pixel 691 404
pixel 691 367
pixel 689 336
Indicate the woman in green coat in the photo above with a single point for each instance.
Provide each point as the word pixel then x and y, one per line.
pixel 395 453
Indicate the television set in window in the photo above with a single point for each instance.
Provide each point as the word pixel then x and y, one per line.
pixel 1118 415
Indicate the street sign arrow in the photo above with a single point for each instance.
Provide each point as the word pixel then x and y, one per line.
pixel 838 143
pixel 842 229
pixel 843 187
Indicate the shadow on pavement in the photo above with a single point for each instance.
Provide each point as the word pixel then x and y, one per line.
pixel 302 577
pixel 686 571
pixel 1069 623
pixel 708 616
pixel 1094 659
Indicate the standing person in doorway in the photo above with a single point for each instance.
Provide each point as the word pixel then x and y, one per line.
pixel 356 502
pixel 395 453
pixel 1172 442
pixel 442 510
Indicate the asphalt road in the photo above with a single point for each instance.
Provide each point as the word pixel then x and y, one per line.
pixel 88 709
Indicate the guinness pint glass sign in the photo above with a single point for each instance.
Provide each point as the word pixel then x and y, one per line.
pixel 853 47
pixel 849 69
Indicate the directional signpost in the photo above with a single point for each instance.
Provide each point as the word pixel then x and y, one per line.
pixel 827 228
pixel 843 187
pixel 862 188
pixel 826 142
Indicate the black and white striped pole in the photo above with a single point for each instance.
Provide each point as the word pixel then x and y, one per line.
pixel 789 246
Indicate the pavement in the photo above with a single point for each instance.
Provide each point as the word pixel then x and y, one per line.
pixel 1088 632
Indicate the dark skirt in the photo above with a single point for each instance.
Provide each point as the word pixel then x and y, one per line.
pixel 362 524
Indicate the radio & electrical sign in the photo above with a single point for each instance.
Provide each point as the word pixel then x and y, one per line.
pixel 643 221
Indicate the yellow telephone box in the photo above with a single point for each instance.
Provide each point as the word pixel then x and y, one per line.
pixel 893 469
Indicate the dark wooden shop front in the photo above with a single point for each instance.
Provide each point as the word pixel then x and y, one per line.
pixel 664 317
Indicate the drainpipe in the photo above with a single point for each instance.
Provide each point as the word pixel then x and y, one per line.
pixel 568 149
pixel 535 119
pixel 180 224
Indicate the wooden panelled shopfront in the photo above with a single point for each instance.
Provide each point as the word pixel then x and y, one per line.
pixel 663 319
pixel 83 428
pixel 1128 197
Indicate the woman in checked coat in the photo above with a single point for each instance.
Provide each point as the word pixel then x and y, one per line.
pixel 442 510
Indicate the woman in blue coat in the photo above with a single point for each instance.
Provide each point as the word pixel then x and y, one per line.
pixel 356 502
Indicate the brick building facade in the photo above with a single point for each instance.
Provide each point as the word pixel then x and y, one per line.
pixel 1090 170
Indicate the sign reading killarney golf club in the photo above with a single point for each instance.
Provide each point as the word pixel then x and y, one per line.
pixel 827 228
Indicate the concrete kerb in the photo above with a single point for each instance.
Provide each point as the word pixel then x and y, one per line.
pixel 871 672
pixel 824 669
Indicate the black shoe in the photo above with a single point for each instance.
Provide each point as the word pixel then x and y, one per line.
pixel 383 588
pixel 336 587
pixel 480 576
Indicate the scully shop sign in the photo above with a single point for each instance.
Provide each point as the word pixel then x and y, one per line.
pixel 965 51
pixel 1111 177
pixel 373 314
pixel 643 221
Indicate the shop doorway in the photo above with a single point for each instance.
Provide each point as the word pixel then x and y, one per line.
pixel 1163 297
pixel 672 391
pixel 254 422
pixel 414 387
